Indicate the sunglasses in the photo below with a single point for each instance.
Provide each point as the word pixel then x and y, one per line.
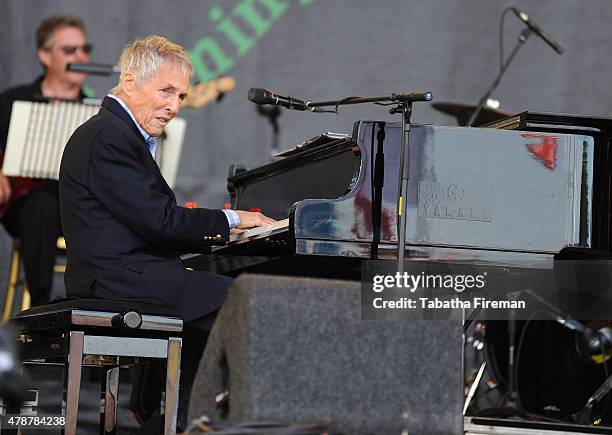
pixel 71 49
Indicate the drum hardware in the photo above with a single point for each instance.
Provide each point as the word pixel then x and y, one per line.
pixel 474 386
pixel 513 396
pixel 474 377
pixel 585 416
pixel 598 346
pixel 554 376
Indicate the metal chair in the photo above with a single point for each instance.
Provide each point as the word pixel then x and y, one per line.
pixel 17 279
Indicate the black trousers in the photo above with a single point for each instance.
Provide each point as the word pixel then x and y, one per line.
pixel 146 393
pixel 35 220
pixel 195 336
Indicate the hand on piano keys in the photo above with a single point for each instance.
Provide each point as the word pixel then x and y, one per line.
pixel 252 219
pixel 251 223
pixel 258 232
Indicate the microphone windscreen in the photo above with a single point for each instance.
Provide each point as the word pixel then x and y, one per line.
pixel 257 95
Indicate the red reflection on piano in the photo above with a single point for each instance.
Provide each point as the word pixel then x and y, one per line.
pixel 545 151
pixel 363 219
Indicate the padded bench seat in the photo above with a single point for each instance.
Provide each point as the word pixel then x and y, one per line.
pixel 104 333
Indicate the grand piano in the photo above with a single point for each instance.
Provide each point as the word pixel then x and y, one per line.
pixel 526 191
pixel 520 191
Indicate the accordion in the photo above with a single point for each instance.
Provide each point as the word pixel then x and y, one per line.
pixel 38 132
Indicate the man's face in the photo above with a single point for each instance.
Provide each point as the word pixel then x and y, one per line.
pixel 155 102
pixel 67 46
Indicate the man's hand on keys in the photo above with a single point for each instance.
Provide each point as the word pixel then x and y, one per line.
pixel 250 219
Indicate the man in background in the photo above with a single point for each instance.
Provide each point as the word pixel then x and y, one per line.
pixel 29 208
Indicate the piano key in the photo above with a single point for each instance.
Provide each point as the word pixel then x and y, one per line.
pixel 260 231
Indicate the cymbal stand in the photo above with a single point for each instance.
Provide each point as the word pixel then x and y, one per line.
pixel 525 34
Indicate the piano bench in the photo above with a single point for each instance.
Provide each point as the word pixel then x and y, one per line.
pixel 102 333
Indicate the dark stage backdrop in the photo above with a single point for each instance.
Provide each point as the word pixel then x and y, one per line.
pixel 324 49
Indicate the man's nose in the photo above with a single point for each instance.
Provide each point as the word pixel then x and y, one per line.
pixel 81 56
pixel 175 105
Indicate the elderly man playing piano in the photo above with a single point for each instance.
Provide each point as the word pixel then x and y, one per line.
pixel 122 225
pixel 30 208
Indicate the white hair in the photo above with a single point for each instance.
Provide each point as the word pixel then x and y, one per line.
pixel 143 57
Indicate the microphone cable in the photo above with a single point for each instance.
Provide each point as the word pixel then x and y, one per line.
pixel 501 36
pixel 204 425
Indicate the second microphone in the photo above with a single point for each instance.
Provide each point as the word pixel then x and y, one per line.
pixel 263 96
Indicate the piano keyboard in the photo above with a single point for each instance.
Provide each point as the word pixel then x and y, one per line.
pixel 258 232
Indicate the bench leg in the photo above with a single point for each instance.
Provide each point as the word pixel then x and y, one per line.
pixel 172 385
pixel 72 381
pixel 110 391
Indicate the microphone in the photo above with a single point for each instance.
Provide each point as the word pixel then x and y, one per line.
pixel 98 69
pixel 262 96
pixel 413 96
pixel 537 30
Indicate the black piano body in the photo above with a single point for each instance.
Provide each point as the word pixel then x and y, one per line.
pixel 479 195
pixel 518 195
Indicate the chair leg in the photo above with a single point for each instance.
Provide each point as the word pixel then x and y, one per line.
pixel 172 385
pixel 26 300
pixel 12 284
pixel 108 418
pixel 72 382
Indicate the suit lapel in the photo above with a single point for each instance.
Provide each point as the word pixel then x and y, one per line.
pixel 116 109
pixel 120 112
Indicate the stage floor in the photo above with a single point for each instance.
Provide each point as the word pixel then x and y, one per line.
pixel 495 426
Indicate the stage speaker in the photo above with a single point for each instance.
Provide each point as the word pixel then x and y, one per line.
pixel 296 349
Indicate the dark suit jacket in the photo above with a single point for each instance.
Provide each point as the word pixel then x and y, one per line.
pixel 122 225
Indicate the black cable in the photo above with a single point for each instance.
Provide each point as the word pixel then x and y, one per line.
pixel 344 100
pixel 204 425
pixel 520 346
pixel 501 36
pixel 519 411
pixel 372 161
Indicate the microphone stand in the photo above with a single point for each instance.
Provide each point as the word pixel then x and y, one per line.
pixel 403 104
pixel 405 107
pixel 585 415
pixel 525 34
pixel 272 114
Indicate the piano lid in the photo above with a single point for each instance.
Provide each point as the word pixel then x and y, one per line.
pixel 316 141
pixel 469 188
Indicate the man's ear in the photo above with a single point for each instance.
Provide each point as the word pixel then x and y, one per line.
pixel 44 56
pixel 128 83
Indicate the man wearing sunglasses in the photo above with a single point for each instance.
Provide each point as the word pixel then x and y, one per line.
pixel 34 217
